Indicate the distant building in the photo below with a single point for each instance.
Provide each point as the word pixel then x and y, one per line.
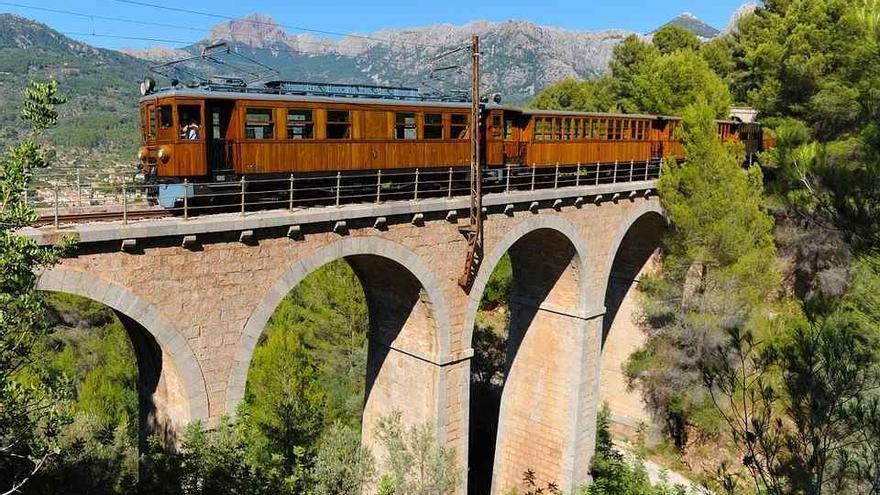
pixel 744 114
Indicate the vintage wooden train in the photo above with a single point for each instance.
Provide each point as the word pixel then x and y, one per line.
pixel 225 129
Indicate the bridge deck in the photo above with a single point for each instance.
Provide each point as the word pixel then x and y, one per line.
pixel 230 222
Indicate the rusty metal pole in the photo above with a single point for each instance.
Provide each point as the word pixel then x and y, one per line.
pixel 475 228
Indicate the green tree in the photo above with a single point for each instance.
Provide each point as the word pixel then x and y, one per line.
pixel 31 411
pixel 670 83
pixel 802 403
pixel 672 38
pixel 718 53
pixel 718 269
pixel 208 462
pixel 593 95
pixel 631 58
pixel 417 465
pixel 613 474
pixel 328 312
pixel 814 60
pixel 343 466
pixel 282 408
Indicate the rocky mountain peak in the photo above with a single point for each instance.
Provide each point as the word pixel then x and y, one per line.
pixel 694 24
pixel 255 30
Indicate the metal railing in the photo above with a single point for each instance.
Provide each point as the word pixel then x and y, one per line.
pixel 78 201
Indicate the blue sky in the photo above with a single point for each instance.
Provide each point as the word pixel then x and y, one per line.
pixel 363 16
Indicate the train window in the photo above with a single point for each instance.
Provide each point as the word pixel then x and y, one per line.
pixel 539 129
pixel 580 128
pixel 300 124
pixel 508 129
pixel 557 129
pixel 405 125
pixel 165 120
pixel 496 126
pixel 259 124
pixel 563 129
pixel 189 118
pixel 433 126
pixel 338 124
pixel 151 121
pixel 459 126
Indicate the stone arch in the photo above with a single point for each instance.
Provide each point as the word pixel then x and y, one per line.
pixel 155 340
pixel 646 209
pixel 546 404
pixel 503 245
pixel 404 298
pixel 633 253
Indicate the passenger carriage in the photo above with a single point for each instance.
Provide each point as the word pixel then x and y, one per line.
pixel 221 131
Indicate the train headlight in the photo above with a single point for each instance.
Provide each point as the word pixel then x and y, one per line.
pixel 147 86
pixel 143 153
pixel 164 154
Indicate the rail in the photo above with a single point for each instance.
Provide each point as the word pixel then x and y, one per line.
pixel 76 202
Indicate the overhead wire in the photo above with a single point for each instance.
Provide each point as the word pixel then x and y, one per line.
pixel 101 17
pixel 185 43
pixel 287 26
pixel 329 44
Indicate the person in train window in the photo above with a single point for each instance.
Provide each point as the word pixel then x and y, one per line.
pixel 190 131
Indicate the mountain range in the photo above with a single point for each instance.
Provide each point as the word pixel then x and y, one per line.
pixel 519 59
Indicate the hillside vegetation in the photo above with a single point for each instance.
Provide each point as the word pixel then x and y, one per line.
pixel 101 85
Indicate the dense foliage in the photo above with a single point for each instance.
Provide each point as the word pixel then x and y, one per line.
pixel 645 79
pixel 31 396
pixel 719 266
pixel 614 474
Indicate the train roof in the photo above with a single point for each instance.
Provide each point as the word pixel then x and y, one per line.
pixel 570 113
pixel 366 95
pixel 241 95
pixel 226 88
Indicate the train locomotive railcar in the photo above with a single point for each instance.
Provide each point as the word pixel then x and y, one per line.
pixel 223 130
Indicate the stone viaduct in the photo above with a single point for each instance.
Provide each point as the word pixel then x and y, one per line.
pixel 196 295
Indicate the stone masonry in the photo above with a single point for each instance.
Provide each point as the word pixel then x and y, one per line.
pixel 203 305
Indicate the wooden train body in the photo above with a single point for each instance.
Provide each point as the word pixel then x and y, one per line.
pixel 217 133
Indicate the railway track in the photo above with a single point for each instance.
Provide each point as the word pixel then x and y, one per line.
pixel 101 216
